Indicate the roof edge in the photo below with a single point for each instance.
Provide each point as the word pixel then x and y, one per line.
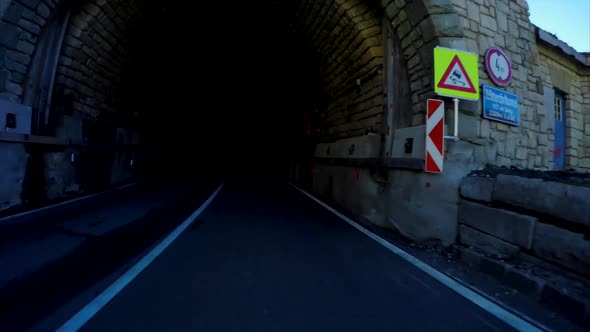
pixel 550 39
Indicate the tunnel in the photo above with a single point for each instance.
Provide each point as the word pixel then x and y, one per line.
pixel 325 94
pixel 224 89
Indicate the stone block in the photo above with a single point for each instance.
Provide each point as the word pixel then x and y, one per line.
pixel 11 87
pixel 488 22
pixel 515 190
pixel 502 20
pixel 485 128
pixel 468 126
pixel 521 153
pixel 9 35
pixel 19 57
pixel 13 166
pixel 31 3
pixel 560 200
pixel 43 10
pixel 25 47
pixel 13 11
pixel 448 25
pixel 473 11
pixel 506 225
pixel 31 27
pixel 477 188
pixel 15 66
pixel 486 243
pixel 563 247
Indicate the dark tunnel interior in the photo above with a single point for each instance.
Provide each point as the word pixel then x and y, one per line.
pixel 222 92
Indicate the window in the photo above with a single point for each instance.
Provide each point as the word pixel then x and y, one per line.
pixel 558 106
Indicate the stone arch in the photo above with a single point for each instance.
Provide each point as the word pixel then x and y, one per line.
pixel 344 36
pixel 351 50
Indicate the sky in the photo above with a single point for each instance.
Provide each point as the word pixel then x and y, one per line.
pixel 569 20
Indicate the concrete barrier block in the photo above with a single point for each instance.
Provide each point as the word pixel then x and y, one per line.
pixel 487 243
pixel 477 188
pixel 506 225
pixel 563 247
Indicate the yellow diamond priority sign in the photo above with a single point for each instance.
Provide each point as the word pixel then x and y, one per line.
pixel 456 74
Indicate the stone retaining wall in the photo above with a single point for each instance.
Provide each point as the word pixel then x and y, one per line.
pixel 506 214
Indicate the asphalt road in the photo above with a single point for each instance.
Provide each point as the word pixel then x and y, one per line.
pixel 263 257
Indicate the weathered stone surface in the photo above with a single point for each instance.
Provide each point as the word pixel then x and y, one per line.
pixel 25 47
pixel 556 199
pixel 506 225
pixel 448 25
pixel 487 243
pixel 477 188
pixel 473 11
pixel 3 79
pixel 562 247
pixel 13 166
pixel 13 11
pixel 43 10
pixel 15 66
pixel 17 89
pixel 9 35
pixel 31 27
pixel 19 57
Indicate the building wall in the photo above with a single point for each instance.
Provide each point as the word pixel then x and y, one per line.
pixel 424 206
pixel 564 73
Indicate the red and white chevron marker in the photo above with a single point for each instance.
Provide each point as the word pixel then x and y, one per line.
pixel 435 118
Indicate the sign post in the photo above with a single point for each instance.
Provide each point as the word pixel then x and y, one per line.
pixel 435 118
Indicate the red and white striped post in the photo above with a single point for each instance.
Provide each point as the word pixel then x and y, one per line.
pixel 435 118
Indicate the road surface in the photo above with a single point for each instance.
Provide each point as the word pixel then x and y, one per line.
pixel 267 258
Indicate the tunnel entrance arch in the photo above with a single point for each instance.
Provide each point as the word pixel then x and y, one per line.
pixel 329 79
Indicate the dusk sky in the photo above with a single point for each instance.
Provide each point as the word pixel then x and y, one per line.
pixel 568 19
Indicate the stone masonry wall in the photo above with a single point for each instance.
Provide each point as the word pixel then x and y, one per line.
pixel 20 25
pixel 93 54
pixel 346 37
pixel 505 24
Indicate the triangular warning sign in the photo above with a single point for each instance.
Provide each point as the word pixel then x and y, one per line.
pixel 456 78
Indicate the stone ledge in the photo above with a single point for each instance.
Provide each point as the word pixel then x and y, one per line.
pixel 571 304
pixel 562 247
pixel 473 238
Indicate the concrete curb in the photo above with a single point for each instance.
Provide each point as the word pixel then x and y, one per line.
pixel 571 306
pixel 20 222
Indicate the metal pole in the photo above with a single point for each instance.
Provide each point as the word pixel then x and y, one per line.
pixel 456 118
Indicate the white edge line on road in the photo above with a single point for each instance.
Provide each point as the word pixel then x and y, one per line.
pixel 86 313
pixel 489 306
pixel 73 200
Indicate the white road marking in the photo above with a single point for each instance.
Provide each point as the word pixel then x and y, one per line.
pixel 22 214
pixel 489 306
pixel 86 313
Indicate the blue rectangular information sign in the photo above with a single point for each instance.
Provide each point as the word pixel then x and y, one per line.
pixel 501 106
